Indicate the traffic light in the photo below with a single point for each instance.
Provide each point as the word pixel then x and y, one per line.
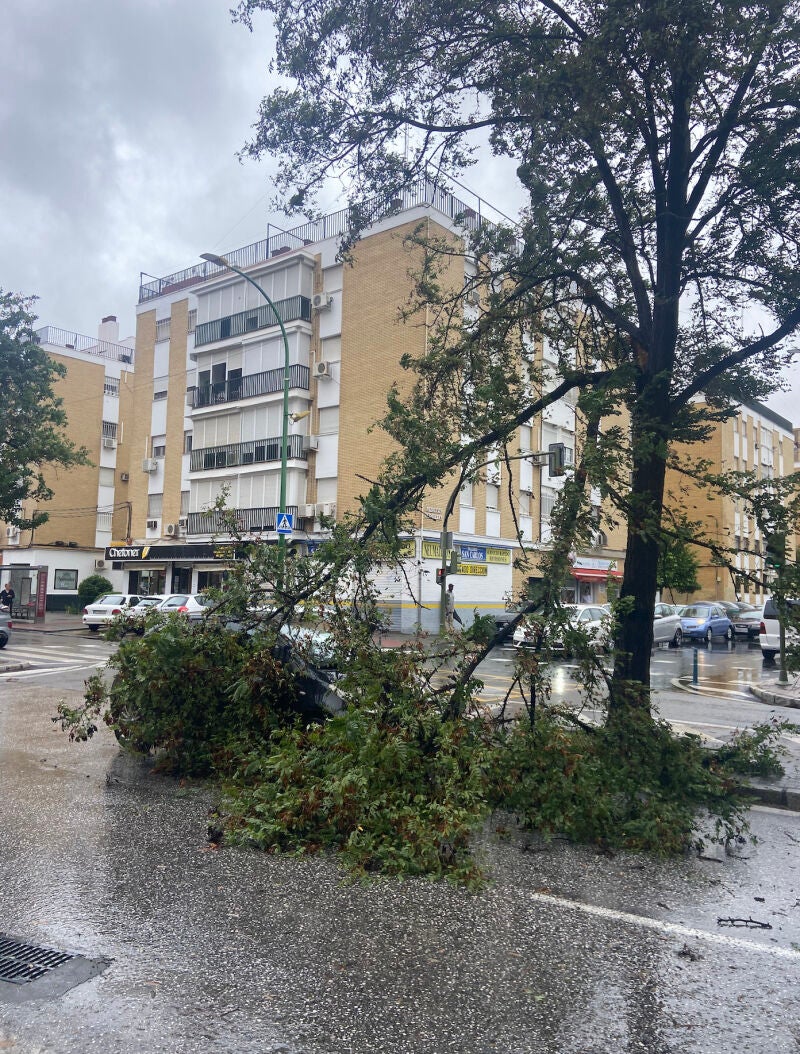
pixel 453 568
pixel 556 459
pixel 775 551
pixel 439 576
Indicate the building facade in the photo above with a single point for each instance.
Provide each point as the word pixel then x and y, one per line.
pixel 207 416
pixel 90 505
pixel 755 440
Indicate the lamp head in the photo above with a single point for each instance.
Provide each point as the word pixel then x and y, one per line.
pixel 213 258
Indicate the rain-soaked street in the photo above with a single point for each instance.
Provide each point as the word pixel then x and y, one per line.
pixel 566 951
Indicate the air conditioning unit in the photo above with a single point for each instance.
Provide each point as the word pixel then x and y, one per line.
pixel 150 464
pixel 124 477
pixel 109 443
pixel 322 369
pixel 183 523
pixel 152 525
pixel 12 532
pixel 473 296
pixel 329 508
pixel 99 565
pixel 172 529
pixel 310 443
pixel 309 512
pixel 321 301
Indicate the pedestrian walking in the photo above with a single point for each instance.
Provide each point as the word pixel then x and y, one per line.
pixel 450 612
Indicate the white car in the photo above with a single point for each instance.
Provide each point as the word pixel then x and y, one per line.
pixel 191 604
pixel 101 611
pixel 137 613
pixel 592 619
pixel 770 636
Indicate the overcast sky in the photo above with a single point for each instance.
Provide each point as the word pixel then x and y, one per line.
pixel 120 121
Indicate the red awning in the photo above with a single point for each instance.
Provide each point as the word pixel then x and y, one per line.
pixel 594 574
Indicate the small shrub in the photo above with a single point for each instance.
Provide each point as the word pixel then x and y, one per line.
pixel 93 587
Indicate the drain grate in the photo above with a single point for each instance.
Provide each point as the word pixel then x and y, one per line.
pixel 21 963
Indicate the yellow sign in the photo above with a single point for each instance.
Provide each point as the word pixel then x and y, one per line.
pixel 498 556
pixel 473 569
pixel 408 549
pixel 433 551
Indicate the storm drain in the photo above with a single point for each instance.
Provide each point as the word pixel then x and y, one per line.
pixel 21 963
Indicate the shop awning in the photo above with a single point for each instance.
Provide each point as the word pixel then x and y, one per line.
pixel 594 574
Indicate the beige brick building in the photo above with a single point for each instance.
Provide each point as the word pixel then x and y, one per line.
pixel 90 503
pixel 207 416
pixel 756 440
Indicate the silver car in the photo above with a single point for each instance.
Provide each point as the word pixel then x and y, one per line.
pixel 5 628
pixel 667 628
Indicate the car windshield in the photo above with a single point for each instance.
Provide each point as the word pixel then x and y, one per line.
pixel 696 611
pixel 111 598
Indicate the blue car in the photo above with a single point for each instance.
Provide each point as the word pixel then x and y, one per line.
pixel 705 621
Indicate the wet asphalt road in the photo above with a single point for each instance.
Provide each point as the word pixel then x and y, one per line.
pixel 566 950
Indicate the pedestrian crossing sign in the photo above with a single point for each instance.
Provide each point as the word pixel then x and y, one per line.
pixel 285 523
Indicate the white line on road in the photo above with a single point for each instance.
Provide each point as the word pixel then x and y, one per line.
pixel 45 671
pixel 660 926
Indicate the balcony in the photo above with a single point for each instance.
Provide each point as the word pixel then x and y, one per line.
pixel 248 521
pixel 248 387
pixel 254 452
pixel 290 310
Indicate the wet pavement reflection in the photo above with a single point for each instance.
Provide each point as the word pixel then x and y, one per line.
pixel 567 950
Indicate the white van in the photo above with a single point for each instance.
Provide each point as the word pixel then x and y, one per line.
pixel 769 633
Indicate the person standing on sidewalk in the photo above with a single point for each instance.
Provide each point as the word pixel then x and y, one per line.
pixel 450 607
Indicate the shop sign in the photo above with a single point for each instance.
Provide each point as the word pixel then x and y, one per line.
pixel 498 556
pixel 473 569
pixel 474 553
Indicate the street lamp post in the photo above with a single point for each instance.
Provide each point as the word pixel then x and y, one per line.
pixel 221 261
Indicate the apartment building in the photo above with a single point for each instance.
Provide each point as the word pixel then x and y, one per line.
pixel 90 506
pixel 755 440
pixel 207 416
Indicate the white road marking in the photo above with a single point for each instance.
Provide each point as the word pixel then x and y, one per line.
pixel 659 926
pixel 46 671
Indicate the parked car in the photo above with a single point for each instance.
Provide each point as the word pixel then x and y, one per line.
pixel 770 630
pixel 706 620
pixel 5 628
pixel 590 618
pixel 191 604
pixel 747 621
pixel 137 613
pixel 667 627
pixel 101 611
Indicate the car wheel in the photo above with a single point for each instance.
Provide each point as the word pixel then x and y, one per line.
pixel 3 640
pixel 769 656
pixel 708 637
pixel 729 634
pixel 677 640
pixel 93 629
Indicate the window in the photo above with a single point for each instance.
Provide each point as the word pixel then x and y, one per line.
pixel 184 503
pixel 106 477
pixel 328 420
pixel 159 395
pixel 162 330
pixel 187 442
pixel 160 450
pixel 492 496
pixel 65 579
pixel 154 506
pixel 158 446
pixel 111 386
pixel 192 320
pixel 109 429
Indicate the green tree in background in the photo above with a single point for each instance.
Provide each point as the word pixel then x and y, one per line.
pixel 658 148
pixel 32 422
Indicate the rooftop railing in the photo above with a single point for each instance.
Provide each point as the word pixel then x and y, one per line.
pixel 335 225
pixel 104 349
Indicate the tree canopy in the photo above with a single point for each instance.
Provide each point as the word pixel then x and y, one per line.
pixel 33 419
pixel 657 146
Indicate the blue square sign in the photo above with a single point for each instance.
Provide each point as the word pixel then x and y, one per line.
pixel 285 524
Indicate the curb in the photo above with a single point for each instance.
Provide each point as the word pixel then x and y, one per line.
pixel 15 667
pixel 781 796
pixel 775 698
